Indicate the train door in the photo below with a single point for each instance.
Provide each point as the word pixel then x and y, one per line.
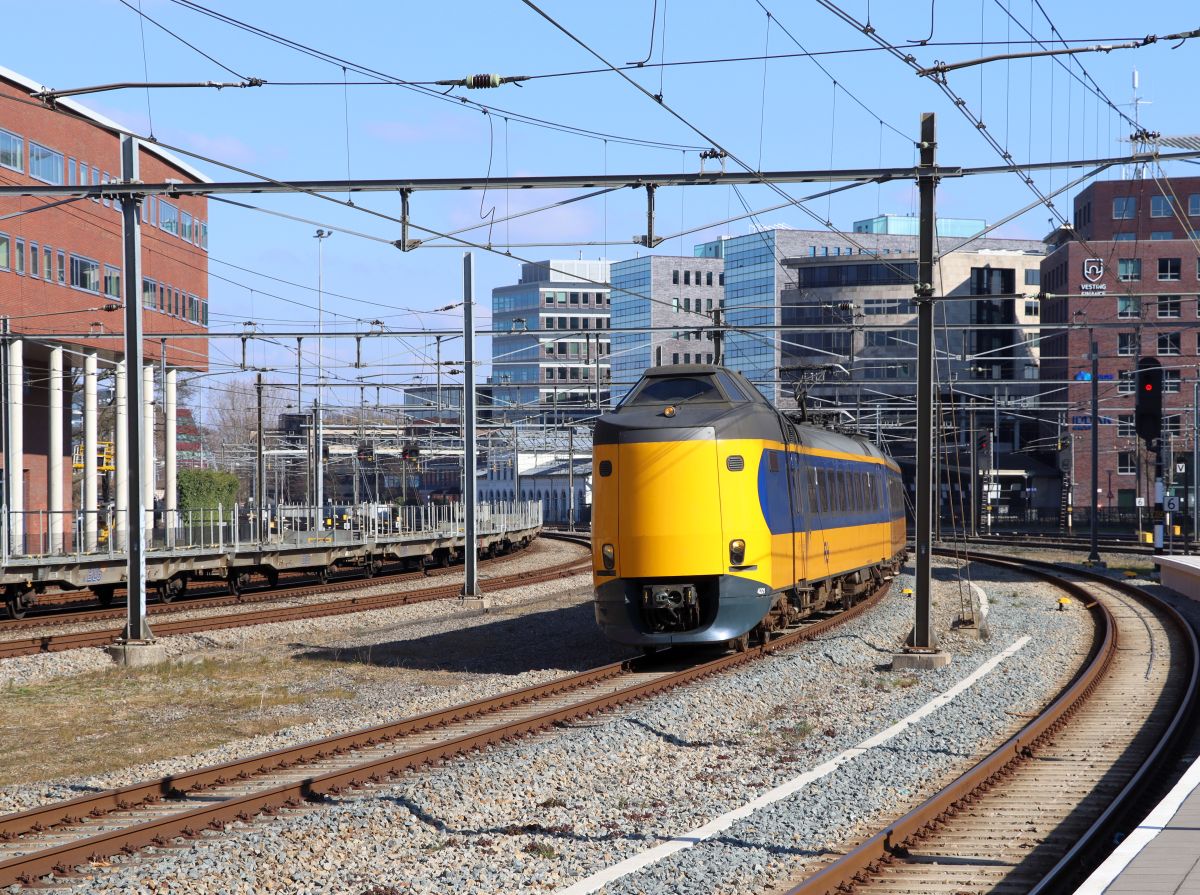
pixel 796 541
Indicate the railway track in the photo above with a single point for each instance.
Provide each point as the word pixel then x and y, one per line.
pixel 60 837
pixel 42 643
pixel 1040 810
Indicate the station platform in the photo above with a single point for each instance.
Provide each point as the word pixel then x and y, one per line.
pixel 1162 855
pixel 234 547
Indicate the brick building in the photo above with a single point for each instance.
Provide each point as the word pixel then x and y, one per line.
pixel 1130 270
pixel 61 274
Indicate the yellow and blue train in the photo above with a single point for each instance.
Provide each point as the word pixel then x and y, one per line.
pixel 715 517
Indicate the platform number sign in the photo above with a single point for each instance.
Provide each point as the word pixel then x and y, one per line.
pixel 1172 504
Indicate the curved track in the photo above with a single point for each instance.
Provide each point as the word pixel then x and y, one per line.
pixel 1043 806
pixel 58 837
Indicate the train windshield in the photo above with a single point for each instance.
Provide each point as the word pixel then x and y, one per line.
pixel 675 389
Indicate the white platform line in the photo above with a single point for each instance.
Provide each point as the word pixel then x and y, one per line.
pixel 678 843
pixel 1156 821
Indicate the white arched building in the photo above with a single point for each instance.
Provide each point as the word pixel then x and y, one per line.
pixel 546 482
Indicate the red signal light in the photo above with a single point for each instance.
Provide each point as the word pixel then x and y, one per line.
pixel 1149 386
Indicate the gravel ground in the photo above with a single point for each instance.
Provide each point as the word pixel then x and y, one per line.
pixel 542 813
pixel 46 666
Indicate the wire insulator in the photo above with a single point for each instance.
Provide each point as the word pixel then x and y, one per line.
pixel 477 82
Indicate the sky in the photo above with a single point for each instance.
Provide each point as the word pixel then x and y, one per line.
pixel 855 106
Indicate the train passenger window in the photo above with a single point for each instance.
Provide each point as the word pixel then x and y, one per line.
pixel 812 491
pixel 773 461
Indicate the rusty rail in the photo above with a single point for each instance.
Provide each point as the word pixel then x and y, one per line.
pixel 62 858
pixel 842 875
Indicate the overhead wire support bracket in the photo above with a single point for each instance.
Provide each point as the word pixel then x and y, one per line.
pixel 649 240
pixel 405 244
pixel 938 70
pixel 50 97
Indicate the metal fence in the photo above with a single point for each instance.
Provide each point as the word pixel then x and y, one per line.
pixel 30 534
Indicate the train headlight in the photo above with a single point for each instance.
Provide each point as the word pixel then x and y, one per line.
pixel 609 556
pixel 737 552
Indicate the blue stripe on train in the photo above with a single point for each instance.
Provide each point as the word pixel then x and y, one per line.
pixel 776 467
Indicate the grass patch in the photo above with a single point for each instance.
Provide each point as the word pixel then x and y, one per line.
pixel 795 733
pixel 107 720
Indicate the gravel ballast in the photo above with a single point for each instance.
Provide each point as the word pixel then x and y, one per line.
pixel 545 812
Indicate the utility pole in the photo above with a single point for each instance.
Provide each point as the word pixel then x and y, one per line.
pixel 921 650
pixel 973 515
pixel 1093 348
pixel 10 479
pixel 260 467
pixel 318 412
pixel 718 336
pixel 470 448
pixel 571 479
pixel 137 631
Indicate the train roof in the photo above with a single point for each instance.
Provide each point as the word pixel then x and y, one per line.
pixel 709 395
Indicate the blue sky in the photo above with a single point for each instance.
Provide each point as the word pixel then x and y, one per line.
pixel 784 113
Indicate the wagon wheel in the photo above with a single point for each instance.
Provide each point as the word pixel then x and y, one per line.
pixel 17 602
pixel 104 594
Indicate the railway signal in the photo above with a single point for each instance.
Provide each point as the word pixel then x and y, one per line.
pixel 1148 403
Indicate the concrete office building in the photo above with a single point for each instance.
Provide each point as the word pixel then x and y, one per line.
pixel 563 372
pixel 662 291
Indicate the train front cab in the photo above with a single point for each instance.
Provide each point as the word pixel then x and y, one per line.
pixel 681 551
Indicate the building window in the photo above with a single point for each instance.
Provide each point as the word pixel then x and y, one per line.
pixel 548 322
pixel 12 151
pixel 675 358
pixel 83 174
pixel 5 252
pixel 1168 344
pixel 162 297
pixel 687 278
pixel 674 278
pixel 85 274
pixel 1126 428
pixel 1122 237
pixel 549 298
pixel 1129 307
pixel 1129 270
pixel 1163 234
pixel 185 226
pixel 1127 344
pixel 1033 309
pixel 1125 463
pixel 1124 208
pixel 708 278
pixel 1171 382
pixel 1033 276
pixel 168 217
pixel 1168 306
pixel 95 182
pixel 889 306
pixel 1172 425
pixel 721 278
pixel 1168 268
pixel 204 235
pixel 112 282
pixel 20 251
pixel 1160 206
pixel 149 292
pixel 48 264
pixel 1125 382
pixel 35 260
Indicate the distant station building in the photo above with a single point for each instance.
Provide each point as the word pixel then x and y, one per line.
pixel 61 275
pixel 1128 267
pixel 655 298
pixel 551 363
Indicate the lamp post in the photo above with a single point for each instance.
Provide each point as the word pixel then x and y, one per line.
pixel 318 416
